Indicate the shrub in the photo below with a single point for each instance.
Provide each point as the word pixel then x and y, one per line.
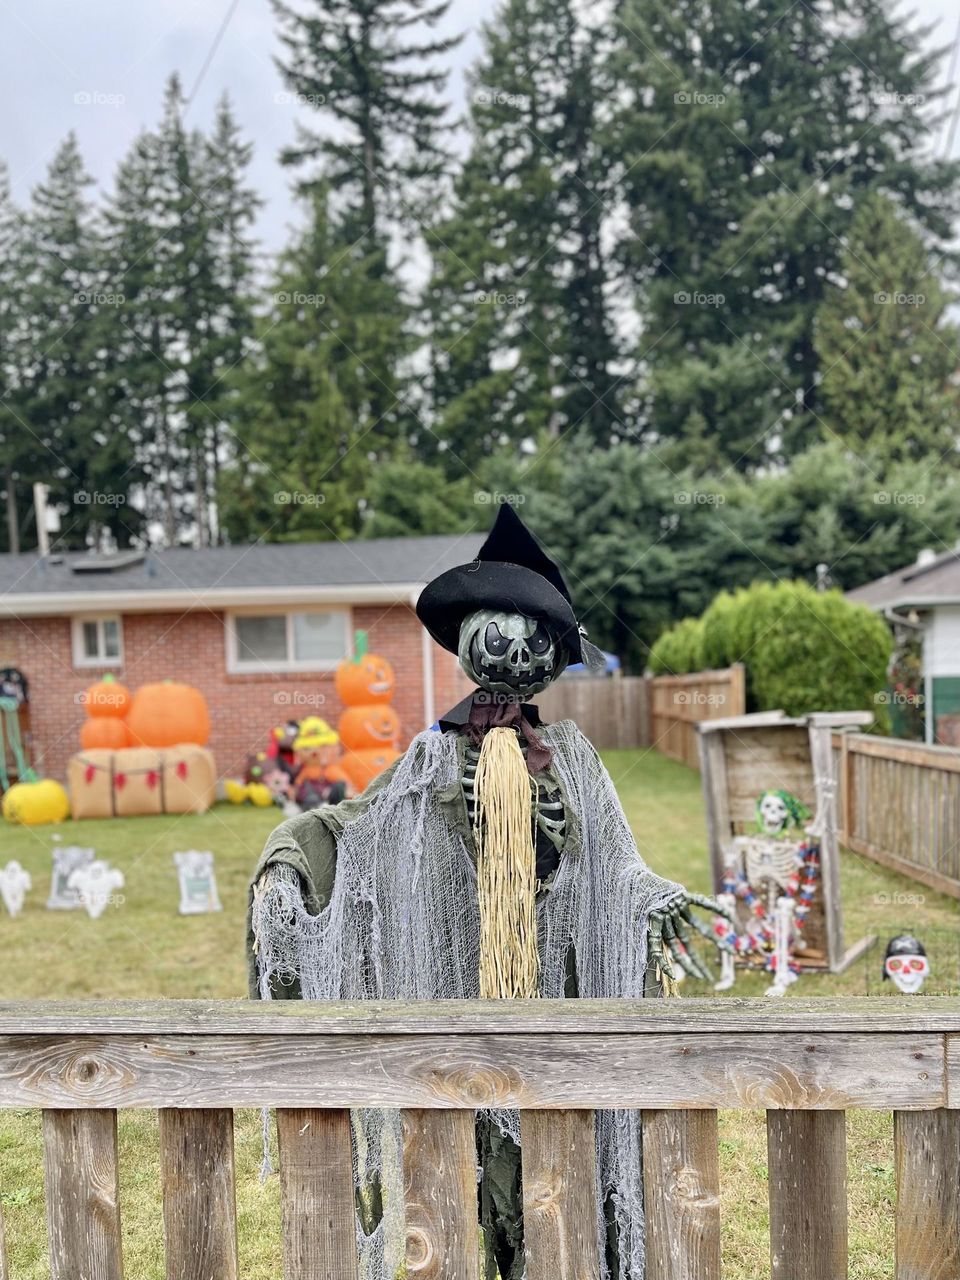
pixel 678 650
pixel 804 650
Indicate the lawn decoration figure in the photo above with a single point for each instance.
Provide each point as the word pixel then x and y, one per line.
pixel 774 875
pixel 198 887
pixel 319 779
pixel 66 860
pixel 492 859
pixel 96 886
pixel 905 963
pixel 14 883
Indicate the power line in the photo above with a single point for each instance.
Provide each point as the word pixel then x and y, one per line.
pixel 211 54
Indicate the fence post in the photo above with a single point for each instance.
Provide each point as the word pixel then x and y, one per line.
pixel 681 1191
pixel 927 1157
pixel 807 1169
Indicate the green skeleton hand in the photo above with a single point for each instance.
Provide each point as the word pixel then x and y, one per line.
pixel 669 942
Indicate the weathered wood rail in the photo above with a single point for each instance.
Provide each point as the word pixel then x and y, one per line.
pixel 805 1062
pixel 679 703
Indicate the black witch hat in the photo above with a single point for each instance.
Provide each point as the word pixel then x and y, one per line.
pixel 512 573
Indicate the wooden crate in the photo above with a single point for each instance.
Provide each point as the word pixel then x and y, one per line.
pixel 740 757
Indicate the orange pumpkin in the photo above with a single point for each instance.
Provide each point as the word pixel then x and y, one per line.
pixel 104 732
pixel 168 714
pixel 370 679
pixel 107 698
pixel 361 767
pixel 369 727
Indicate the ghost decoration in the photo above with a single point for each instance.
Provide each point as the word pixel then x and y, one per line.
pixel 96 885
pixel 198 888
pixel 14 883
pixel 905 963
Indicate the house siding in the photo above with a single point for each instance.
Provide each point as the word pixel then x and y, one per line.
pixel 191 647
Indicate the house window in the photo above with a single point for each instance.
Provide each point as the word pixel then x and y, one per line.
pixel 98 642
pixel 308 640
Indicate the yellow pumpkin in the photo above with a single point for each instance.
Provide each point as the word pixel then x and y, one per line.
pixel 34 803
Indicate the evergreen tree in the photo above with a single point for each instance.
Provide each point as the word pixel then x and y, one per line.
pixel 69 309
pixel 746 137
pixel 522 338
pixel 889 356
pixel 17 445
pixel 310 430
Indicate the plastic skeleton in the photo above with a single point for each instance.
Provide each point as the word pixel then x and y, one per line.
pixel 512 658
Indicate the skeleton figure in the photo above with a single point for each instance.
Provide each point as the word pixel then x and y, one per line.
pixel 368 931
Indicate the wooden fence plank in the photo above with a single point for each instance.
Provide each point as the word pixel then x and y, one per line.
pixel 559 1195
pixel 440 1189
pixel 807 1164
pixel 199 1202
pixel 83 1208
pixel 317 1195
pixel 927 1159
pixel 681 1189
pixel 659 1070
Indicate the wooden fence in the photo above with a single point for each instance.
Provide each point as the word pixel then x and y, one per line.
pixel 679 703
pixel 899 804
pixel 612 713
pixel 806 1062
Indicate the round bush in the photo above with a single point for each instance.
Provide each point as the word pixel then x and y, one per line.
pixel 678 650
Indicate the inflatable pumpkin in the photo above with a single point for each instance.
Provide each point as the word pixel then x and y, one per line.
pixel 368 727
pixel 361 767
pixel 34 803
pixel 367 679
pixel 108 698
pixel 168 714
pixel 104 731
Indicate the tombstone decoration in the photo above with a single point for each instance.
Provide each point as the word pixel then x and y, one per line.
pixel 905 963
pixel 14 883
pixel 66 860
pixel 96 884
pixel 198 886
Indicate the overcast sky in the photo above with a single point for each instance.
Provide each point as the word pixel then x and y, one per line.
pixel 98 67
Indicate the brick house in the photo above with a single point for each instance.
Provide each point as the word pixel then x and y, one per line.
pixel 259 629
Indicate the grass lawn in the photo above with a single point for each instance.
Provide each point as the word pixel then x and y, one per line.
pixel 143 948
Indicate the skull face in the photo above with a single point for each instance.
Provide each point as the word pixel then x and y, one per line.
pixel 773 813
pixel 509 654
pixel 908 972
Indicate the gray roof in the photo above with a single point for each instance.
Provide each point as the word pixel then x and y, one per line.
pixel 298 565
pixel 930 582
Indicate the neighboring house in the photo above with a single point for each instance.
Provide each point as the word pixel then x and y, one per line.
pixel 926 594
pixel 259 629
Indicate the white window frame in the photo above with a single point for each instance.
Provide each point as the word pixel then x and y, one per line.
pixel 238 666
pixel 80 658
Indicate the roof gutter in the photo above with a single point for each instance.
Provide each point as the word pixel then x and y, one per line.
pixel 898 619
pixel 210 599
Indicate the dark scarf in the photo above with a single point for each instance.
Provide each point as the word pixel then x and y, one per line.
pixel 486 715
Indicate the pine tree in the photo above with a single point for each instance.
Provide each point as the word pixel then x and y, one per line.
pixel 69 309
pixel 17 445
pixel 311 429
pixel 889 356
pixel 746 136
pixel 368 67
pixel 524 345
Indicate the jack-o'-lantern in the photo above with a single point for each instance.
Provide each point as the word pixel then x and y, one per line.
pixel 361 767
pixel 168 714
pixel 369 727
pixel 107 699
pixel 104 731
pixel 364 679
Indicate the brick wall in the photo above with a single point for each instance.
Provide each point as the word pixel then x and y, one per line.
pixel 191 647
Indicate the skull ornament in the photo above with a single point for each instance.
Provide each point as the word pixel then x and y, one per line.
pixel 509 653
pixel 773 813
pixel 906 963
